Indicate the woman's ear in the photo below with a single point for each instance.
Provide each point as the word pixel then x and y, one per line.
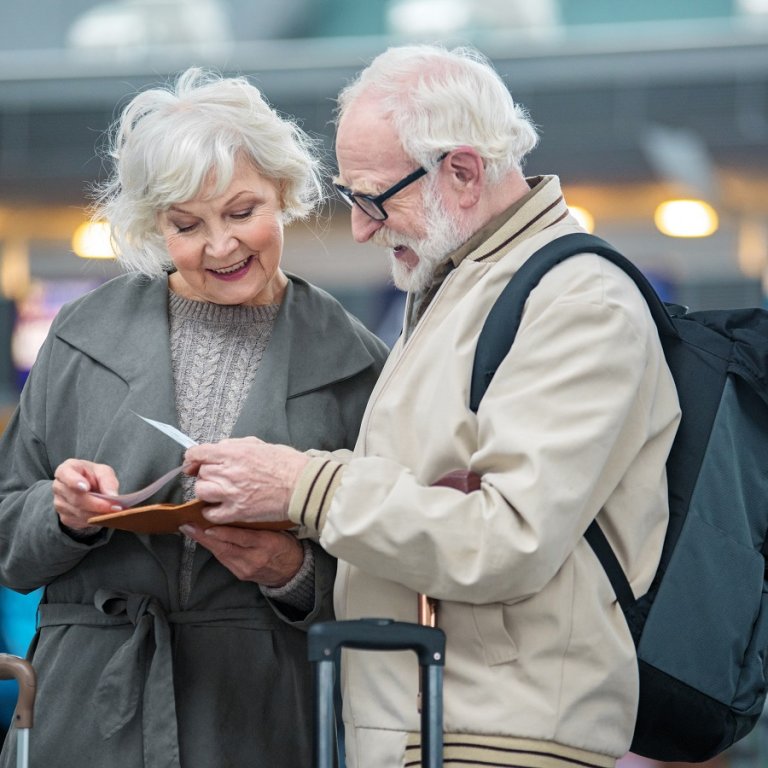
pixel 466 175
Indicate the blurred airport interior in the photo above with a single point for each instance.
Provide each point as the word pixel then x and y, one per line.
pixel 638 104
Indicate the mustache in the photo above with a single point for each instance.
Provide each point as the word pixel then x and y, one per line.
pixel 386 239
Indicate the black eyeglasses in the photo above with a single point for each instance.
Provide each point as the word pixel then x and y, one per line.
pixel 371 205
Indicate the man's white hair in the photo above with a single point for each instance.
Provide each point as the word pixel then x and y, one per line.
pixel 169 142
pixel 440 99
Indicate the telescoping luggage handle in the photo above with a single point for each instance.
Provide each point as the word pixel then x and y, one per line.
pixel 325 641
pixel 14 668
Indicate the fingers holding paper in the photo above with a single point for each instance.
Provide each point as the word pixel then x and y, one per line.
pixel 268 558
pixel 247 479
pixel 74 479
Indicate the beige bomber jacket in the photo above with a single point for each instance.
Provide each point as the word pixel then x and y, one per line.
pixel 577 423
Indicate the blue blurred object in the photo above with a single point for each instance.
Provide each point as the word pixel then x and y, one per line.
pixel 17 626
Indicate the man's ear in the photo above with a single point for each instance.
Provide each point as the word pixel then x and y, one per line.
pixel 466 175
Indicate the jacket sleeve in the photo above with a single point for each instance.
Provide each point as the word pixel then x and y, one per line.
pixel 34 549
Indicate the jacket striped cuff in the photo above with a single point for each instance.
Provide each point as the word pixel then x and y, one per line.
pixel 480 751
pixel 314 491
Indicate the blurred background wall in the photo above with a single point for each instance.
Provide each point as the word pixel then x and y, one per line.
pixel 638 103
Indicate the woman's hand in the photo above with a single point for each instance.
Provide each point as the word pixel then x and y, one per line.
pixel 74 479
pixel 269 558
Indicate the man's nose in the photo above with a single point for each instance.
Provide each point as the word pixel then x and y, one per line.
pixel 363 226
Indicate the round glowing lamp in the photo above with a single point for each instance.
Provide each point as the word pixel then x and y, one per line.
pixel 686 218
pixel 92 241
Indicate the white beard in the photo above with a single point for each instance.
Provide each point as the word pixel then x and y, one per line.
pixel 444 235
pixel 413 280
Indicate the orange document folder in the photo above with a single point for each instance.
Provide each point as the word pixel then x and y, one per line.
pixel 166 518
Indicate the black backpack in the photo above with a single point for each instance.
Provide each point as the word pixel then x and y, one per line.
pixel 701 630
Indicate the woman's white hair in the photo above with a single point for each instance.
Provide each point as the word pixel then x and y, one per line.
pixel 439 99
pixel 170 141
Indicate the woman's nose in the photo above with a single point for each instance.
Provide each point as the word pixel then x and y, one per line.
pixel 363 226
pixel 221 244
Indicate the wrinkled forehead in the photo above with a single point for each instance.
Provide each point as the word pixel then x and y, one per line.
pixel 367 144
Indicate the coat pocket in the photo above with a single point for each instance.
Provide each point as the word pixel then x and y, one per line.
pixel 498 645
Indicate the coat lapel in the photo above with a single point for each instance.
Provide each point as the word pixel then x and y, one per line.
pixel 314 344
pixel 139 355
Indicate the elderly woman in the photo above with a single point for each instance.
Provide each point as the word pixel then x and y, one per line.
pixel 153 650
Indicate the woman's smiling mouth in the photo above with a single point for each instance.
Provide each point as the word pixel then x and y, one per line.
pixel 233 272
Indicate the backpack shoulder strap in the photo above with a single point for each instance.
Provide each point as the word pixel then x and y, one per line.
pixel 503 320
pixel 499 332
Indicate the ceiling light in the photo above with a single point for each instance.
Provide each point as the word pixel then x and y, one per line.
pixel 92 240
pixel 413 17
pixel 686 218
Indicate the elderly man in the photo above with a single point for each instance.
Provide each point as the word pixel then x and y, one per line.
pixel 576 424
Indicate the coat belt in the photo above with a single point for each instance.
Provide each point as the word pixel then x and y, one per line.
pixel 126 679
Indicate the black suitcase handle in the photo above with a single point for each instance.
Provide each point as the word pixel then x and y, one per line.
pixel 325 641
pixel 327 637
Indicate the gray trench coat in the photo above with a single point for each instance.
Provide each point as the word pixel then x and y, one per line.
pixel 127 678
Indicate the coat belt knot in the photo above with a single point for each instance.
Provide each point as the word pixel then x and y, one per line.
pixel 141 668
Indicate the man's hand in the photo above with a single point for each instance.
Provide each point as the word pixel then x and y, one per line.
pixel 247 479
